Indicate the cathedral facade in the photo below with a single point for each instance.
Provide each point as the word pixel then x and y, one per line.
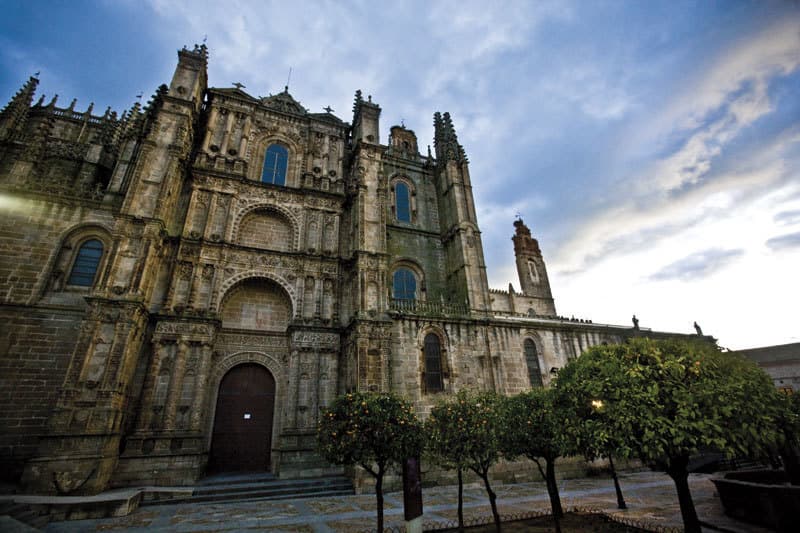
pixel 184 287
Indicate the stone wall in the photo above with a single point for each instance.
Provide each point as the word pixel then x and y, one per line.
pixel 35 350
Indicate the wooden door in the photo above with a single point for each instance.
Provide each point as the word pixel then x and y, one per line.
pixel 241 441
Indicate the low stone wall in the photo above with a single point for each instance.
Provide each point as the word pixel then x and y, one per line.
pixel 520 471
pixel 761 497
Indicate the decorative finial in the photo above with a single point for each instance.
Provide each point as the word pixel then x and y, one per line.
pixel 327 109
pixel 239 85
pixel 402 123
pixel 36 74
pixel 288 80
pixel 519 216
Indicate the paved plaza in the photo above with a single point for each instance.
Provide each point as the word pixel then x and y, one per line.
pixel 650 496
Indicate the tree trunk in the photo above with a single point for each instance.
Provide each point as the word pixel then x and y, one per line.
pixel 680 475
pixel 552 488
pixel 492 500
pixel 460 500
pixel 379 496
pixel 620 497
pixel 790 455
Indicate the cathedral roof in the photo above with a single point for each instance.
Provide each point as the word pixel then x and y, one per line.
pixel 285 103
pixel 328 117
pixel 234 91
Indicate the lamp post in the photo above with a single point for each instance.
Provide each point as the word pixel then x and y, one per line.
pixel 597 406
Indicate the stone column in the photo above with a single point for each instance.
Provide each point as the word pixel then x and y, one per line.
pixel 226 136
pixel 146 416
pixel 175 386
pixel 291 389
pixel 245 136
pixel 212 211
pixel 212 124
pixel 201 387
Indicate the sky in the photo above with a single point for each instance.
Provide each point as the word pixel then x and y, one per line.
pixel 653 148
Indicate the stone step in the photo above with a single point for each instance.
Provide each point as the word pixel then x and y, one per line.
pixel 246 488
pixel 25 514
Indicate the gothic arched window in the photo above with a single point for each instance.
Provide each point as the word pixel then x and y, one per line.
pixel 532 360
pixel 276 162
pixel 404 285
pixel 86 262
pixel 433 363
pixel 402 202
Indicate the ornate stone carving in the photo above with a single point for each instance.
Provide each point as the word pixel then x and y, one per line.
pixel 315 339
pixel 242 339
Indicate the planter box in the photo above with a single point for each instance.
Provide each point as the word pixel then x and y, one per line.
pixel 762 497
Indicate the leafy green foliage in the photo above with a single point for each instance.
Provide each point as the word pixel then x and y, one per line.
pixel 533 426
pixel 667 398
pixel 664 400
pixel 464 431
pixel 373 430
pixel 533 423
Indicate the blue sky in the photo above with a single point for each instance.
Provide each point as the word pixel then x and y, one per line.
pixel 652 147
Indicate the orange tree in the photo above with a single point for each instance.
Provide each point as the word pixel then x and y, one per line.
pixel 464 433
pixel 664 400
pixel 533 429
pixel 375 431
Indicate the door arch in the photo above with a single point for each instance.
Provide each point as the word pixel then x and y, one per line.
pixel 242 437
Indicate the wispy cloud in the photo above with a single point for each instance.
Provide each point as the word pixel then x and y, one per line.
pixel 790 240
pixel 698 265
pixel 788 218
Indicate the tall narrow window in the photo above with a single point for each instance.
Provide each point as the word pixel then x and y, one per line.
pixel 404 285
pixel 402 202
pixel 276 161
pixel 532 360
pixel 85 266
pixel 433 364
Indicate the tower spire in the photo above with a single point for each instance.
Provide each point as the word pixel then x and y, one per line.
pixel 15 113
pixel 531 269
pixel 445 140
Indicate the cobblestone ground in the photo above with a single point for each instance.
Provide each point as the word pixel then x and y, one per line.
pixel 651 499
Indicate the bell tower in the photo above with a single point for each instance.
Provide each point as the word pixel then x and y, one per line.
pixel 461 238
pixel 530 266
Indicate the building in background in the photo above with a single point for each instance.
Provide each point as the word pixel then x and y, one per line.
pixel 781 362
pixel 184 286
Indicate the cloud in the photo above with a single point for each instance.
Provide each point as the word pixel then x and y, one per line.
pixel 788 218
pixel 782 242
pixel 698 265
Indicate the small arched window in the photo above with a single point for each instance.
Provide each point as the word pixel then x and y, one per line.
pixel 404 285
pixel 433 364
pixel 86 262
pixel 402 202
pixel 532 360
pixel 276 162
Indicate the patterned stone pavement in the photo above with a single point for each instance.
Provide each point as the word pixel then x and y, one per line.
pixel 650 496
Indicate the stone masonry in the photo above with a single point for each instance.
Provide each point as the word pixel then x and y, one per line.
pixel 145 255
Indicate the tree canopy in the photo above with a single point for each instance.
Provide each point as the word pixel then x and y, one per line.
pixel 533 429
pixel 664 400
pixel 464 432
pixel 373 430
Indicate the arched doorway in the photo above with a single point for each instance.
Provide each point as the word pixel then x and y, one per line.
pixel 242 437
